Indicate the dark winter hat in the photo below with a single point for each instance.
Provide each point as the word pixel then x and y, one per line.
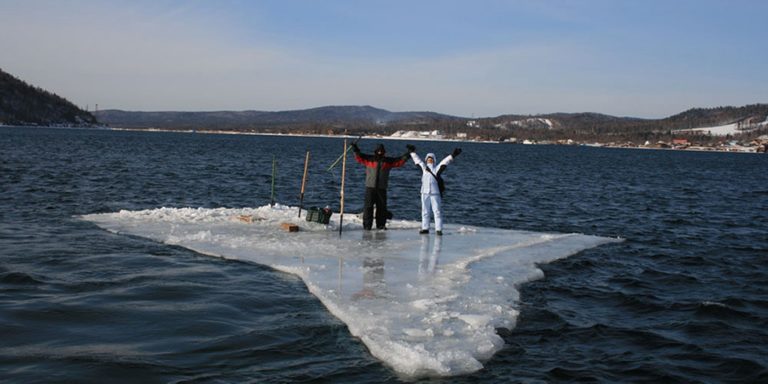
pixel 380 149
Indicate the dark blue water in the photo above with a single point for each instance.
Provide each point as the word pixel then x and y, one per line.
pixel 683 299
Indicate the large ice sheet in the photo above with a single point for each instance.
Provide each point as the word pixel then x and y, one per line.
pixel 424 305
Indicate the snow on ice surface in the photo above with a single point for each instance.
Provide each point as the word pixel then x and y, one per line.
pixel 424 305
pixel 721 130
pixel 724 130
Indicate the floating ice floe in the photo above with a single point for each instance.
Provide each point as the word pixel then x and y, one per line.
pixel 425 305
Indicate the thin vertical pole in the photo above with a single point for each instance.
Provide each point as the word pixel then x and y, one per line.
pixel 343 174
pixel 303 183
pixel 341 263
pixel 274 175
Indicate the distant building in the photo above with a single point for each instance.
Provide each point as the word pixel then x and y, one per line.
pixel 511 140
pixel 418 134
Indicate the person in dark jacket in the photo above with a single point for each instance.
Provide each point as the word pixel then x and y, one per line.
pixel 377 167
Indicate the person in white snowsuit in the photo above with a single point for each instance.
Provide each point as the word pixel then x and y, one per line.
pixel 431 196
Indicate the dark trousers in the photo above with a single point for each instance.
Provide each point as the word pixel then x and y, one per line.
pixel 377 197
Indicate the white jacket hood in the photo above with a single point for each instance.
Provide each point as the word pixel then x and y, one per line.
pixel 428 181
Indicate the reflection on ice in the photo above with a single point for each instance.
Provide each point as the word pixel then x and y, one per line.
pixel 425 305
pixel 374 285
pixel 428 254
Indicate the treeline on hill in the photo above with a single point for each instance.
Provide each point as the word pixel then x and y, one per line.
pixel 315 120
pixel 356 120
pixel 587 127
pixel 24 104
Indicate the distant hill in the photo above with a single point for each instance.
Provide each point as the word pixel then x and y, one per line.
pixel 702 117
pixel 24 104
pixel 692 118
pixel 752 120
pixel 243 120
pixel 374 120
pixel 567 121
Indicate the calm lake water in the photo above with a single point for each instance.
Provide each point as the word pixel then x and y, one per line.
pixel 683 299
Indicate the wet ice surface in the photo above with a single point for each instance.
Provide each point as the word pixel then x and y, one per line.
pixel 425 305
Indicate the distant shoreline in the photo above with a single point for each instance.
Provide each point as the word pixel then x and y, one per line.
pixel 223 132
pixel 596 145
pixel 218 132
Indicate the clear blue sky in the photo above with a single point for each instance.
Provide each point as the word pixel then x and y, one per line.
pixel 641 58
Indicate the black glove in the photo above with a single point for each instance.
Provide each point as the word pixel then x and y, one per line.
pixel 355 148
pixel 456 152
pixel 411 148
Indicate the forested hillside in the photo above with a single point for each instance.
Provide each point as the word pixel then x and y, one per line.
pixel 585 126
pixel 24 104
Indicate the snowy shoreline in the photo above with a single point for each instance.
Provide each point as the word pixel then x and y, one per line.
pixel 414 138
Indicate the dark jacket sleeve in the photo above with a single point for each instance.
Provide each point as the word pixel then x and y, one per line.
pixel 364 159
pixel 395 162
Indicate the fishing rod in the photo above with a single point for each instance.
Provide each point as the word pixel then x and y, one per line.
pixel 345 152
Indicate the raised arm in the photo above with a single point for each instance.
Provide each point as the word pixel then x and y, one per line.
pixel 417 160
pixel 447 160
pixel 395 162
pixel 363 158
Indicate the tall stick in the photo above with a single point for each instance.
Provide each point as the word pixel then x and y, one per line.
pixel 274 175
pixel 341 263
pixel 343 174
pixel 303 183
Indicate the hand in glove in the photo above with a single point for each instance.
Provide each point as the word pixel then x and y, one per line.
pixel 411 148
pixel 456 152
pixel 355 148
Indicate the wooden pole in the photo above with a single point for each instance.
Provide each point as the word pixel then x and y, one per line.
pixel 274 175
pixel 343 174
pixel 303 183
pixel 341 263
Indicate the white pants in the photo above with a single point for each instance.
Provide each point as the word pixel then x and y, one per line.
pixel 431 202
